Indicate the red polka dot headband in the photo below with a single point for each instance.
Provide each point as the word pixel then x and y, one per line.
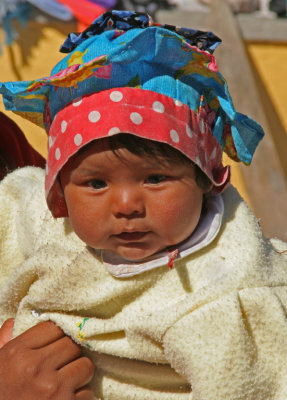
pixel 143 113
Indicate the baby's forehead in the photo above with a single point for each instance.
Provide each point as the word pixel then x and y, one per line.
pixel 127 148
pixel 125 144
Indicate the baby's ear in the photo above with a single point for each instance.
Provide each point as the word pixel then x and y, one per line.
pixel 56 201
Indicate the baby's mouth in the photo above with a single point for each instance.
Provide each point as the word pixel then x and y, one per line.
pixel 131 236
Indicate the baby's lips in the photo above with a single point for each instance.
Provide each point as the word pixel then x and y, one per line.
pixel 133 235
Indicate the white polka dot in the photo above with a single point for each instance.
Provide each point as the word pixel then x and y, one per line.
pixel 47 169
pixel 202 126
pixel 174 136
pixel 136 118
pixel 50 142
pixel 78 139
pixel 158 107
pixel 116 96
pixel 213 154
pixel 189 131
pixel 64 125
pixel 178 103
pixel 77 102
pixel 94 116
pixel 198 162
pixel 58 153
pixel 114 131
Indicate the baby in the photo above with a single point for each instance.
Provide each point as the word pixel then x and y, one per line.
pixel 152 275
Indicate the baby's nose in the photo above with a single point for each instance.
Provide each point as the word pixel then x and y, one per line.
pixel 128 203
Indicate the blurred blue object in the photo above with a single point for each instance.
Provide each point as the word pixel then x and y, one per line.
pixel 108 4
pixel 7 6
pixel 53 8
pixel 11 10
pixel 21 13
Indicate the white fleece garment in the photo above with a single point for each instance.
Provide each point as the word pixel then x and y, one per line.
pixel 213 328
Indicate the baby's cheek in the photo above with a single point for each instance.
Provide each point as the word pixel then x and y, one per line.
pixel 181 220
pixel 168 218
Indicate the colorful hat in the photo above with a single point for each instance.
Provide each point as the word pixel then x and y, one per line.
pixel 125 73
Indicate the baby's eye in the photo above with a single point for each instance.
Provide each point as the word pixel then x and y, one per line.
pixel 156 179
pixel 97 184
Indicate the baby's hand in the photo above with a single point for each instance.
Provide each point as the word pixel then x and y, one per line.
pixel 42 363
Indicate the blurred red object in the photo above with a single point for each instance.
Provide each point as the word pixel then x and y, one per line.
pixel 84 11
pixel 15 150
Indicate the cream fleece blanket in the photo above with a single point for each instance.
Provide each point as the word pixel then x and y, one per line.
pixel 213 328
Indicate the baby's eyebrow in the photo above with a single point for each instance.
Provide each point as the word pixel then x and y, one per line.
pixel 88 171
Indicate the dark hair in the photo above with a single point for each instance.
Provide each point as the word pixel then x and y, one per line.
pixel 147 147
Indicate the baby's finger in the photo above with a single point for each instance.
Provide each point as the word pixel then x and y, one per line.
pixel 85 393
pixel 78 373
pixel 61 352
pixel 41 335
pixel 6 332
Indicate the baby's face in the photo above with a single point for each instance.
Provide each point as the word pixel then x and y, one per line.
pixel 131 205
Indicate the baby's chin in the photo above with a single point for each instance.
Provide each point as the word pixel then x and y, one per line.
pixel 137 255
pixel 140 252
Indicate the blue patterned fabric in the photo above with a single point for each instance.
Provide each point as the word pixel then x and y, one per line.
pixel 127 49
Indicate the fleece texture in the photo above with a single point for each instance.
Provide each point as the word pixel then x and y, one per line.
pixel 212 328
